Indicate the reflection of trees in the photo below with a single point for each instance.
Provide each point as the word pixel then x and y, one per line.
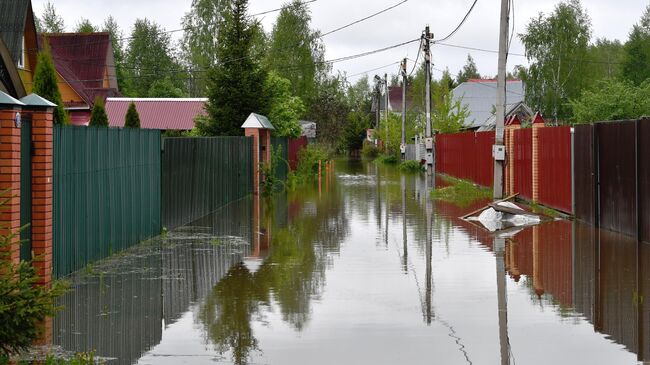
pixel 292 274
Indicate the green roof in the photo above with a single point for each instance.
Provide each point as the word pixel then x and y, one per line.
pixel 258 121
pixel 36 100
pixel 6 99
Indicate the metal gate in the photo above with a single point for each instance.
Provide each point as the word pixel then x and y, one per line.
pixel 26 188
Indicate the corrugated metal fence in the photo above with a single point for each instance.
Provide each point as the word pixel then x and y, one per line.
pixel 555 168
pixel 523 160
pixel 281 144
pixel 200 175
pixel 467 156
pixel 106 193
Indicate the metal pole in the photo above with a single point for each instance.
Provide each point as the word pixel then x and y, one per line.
pixel 404 81
pixel 427 74
pixel 386 109
pixel 499 148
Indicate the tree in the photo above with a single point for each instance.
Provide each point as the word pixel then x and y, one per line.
pixel 110 26
pixel 636 62
pixel 164 88
pixel 46 84
pixel 355 130
pixel 359 96
pixel 150 58
pixel 612 100
pixel 236 82
pixel 51 22
pixel 449 115
pixel 85 26
pixel 98 117
pixel 296 51
pixel 556 45
pixel 469 71
pixel 605 58
pixel 132 119
pixel 285 109
pixel 329 110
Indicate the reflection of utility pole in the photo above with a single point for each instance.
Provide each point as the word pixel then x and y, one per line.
pixel 386 110
pixel 406 252
pixel 502 299
pixel 428 258
pixel 387 206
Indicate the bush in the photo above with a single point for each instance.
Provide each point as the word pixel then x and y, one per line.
pixel 411 166
pixel 132 118
pixel 388 159
pixel 307 169
pixel 369 151
pixel 270 182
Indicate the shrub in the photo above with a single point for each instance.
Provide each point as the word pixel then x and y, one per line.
pixel 388 159
pixel 270 182
pixel 98 117
pixel 411 166
pixel 47 86
pixel 369 151
pixel 307 169
pixel 132 118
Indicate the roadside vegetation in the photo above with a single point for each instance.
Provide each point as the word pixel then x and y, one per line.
pixel 461 192
pixel 411 166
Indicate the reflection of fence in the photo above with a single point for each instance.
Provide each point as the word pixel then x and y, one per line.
pixel 199 175
pixel 106 193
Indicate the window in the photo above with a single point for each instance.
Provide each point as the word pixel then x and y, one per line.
pixel 21 57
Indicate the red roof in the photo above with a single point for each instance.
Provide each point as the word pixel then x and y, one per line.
pixel 395 99
pixel 82 60
pixel 157 113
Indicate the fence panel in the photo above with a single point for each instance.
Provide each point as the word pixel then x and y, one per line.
pixel 200 175
pixel 584 173
pixel 466 155
pixel 295 146
pixel 555 168
pixel 644 178
pixel 281 144
pixel 106 193
pixel 523 161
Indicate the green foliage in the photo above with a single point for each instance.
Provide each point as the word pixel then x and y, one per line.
pixel 329 109
pixel 110 26
pixel 85 26
pixel 132 118
pixel 449 116
pixel 461 192
pixel 469 71
pixel 292 43
pixel 23 303
pixel 307 169
pixel 269 182
pixel 150 58
pixel 46 84
pixel 50 21
pixel 234 87
pixel 392 136
pixel 98 117
pixel 612 100
pixel 411 166
pixel 356 130
pixel 636 62
pixel 387 159
pixel 359 96
pixel 369 150
pixel 285 109
pixel 165 88
pixel 556 45
pixel 605 59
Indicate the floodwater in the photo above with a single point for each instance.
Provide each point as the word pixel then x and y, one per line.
pixel 368 270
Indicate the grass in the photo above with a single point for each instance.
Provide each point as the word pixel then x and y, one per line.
pixel 387 159
pixel 411 166
pixel 461 192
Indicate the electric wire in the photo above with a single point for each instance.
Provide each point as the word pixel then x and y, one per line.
pixel 459 25
pixel 371 70
pixel 363 19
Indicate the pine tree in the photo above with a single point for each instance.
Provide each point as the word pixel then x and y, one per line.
pixel 236 82
pixel 46 84
pixel 132 119
pixel 98 117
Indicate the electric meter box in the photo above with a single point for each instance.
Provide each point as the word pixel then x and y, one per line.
pixel 429 158
pixel 499 152
pixel 428 143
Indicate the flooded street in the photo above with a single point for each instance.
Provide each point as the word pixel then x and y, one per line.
pixel 366 270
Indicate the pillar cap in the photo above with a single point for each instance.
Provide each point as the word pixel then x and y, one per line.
pixel 35 100
pixel 8 100
pixel 515 120
pixel 257 121
pixel 538 119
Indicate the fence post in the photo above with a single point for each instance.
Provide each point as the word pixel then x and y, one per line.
pixel 10 109
pixel 513 124
pixel 538 122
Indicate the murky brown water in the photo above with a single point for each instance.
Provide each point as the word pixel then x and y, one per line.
pixel 368 271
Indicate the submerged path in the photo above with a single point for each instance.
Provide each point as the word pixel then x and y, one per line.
pixel 367 271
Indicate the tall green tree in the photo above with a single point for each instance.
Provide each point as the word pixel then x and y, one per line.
pixel 46 84
pixel 111 27
pixel 636 62
pixel 236 82
pixel 612 100
pixel 132 118
pixel 449 115
pixel 285 109
pixel 98 116
pixel 469 71
pixel 556 46
pixel 150 58
pixel 604 60
pixel 51 21
pixel 85 26
pixel 295 50
pixel 359 96
pixel 329 110
pixel 164 88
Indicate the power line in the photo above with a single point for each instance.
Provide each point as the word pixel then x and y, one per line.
pixel 371 70
pixel 459 25
pixel 279 9
pixel 415 62
pixel 363 19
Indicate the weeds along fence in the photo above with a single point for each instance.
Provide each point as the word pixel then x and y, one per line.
pixel 281 145
pixel 106 193
pixel 200 175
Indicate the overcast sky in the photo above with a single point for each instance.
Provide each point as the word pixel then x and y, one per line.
pixel 610 19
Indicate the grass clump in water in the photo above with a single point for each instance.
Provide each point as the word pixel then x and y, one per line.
pixel 387 159
pixel 411 166
pixel 461 192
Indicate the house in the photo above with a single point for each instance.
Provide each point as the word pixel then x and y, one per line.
pixel 521 110
pixel 157 113
pixel 479 95
pixel 85 70
pixel 18 45
pixel 308 130
pixel 394 101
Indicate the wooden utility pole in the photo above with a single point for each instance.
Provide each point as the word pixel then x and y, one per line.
pixel 427 74
pixel 498 151
pixel 386 109
pixel 402 146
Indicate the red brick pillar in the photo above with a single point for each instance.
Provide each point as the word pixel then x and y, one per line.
pixel 255 133
pixel 10 177
pixel 515 124
pixel 42 194
pixel 538 122
pixel 265 144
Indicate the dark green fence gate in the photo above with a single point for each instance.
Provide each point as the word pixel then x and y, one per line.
pixel 26 188
pixel 106 192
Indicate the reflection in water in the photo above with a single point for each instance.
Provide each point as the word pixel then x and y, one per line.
pixel 367 270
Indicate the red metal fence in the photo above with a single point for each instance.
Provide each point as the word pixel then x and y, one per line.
pixel 295 146
pixel 555 168
pixel 523 162
pixel 467 156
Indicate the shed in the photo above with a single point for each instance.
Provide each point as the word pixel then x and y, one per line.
pixel 157 113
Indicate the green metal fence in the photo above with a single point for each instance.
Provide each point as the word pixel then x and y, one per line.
pixel 106 193
pixel 281 144
pixel 200 175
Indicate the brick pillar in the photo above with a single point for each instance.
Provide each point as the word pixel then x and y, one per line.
pixel 255 133
pixel 538 122
pixel 265 144
pixel 42 194
pixel 512 127
pixel 10 177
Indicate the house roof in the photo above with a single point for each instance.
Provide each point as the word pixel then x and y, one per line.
pixel 394 100
pixel 480 98
pixel 519 109
pixel 83 60
pixel 257 121
pixel 13 15
pixel 157 113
